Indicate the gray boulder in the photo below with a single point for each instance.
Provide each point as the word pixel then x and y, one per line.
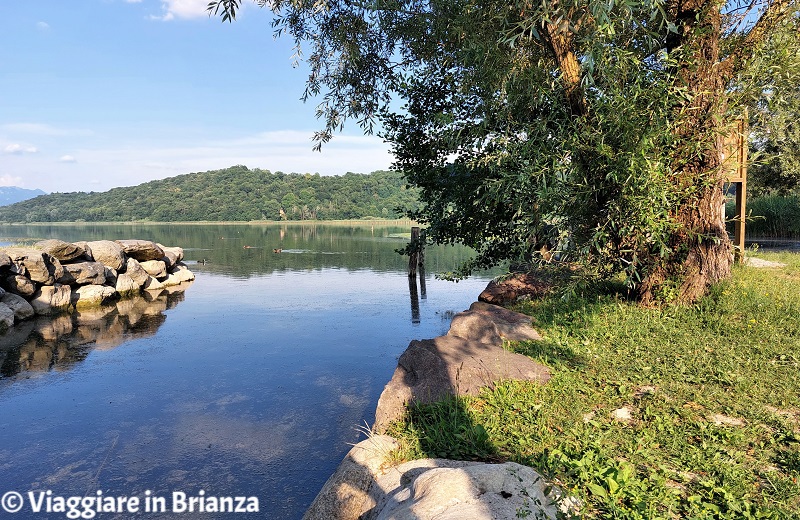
pixel 126 285
pixel 22 309
pixel 5 260
pixel 180 274
pixel 87 251
pixel 456 490
pixel 366 486
pixel 83 273
pixel 153 285
pixel 37 265
pixel 519 286
pixel 63 251
pixel 142 250
pixel 492 324
pixel 457 364
pixel 136 272
pixel 172 255
pixel 51 299
pixel 108 253
pixel 92 295
pixel 21 285
pixel 155 268
pixel 6 317
pixel 346 494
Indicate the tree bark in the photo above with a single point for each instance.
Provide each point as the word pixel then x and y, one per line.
pixel 701 251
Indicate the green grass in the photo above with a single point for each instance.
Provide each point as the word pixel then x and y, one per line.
pixel 713 391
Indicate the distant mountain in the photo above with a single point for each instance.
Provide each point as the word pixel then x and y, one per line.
pixel 233 194
pixel 12 194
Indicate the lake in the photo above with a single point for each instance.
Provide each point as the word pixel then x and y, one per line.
pixel 252 382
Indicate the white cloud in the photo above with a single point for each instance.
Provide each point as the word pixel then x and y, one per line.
pixel 8 180
pixel 67 159
pixel 42 26
pixel 184 9
pixel 133 1
pixel 18 149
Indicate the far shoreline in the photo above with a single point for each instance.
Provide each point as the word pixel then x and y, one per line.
pixel 383 222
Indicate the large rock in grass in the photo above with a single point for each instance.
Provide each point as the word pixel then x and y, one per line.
pixel 92 295
pixel 141 250
pixel 346 494
pixel 84 273
pixel 63 251
pixel 51 299
pixel 37 265
pixel 438 489
pixel 516 287
pixel 468 359
pixel 366 486
pixel 108 253
pixel 22 309
pixel 492 324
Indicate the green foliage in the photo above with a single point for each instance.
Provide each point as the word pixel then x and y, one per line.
pixel 590 128
pixel 713 392
pixel 771 216
pixel 774 101
pixel 232 194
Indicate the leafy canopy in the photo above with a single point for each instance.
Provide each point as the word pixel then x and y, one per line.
pixel 571 125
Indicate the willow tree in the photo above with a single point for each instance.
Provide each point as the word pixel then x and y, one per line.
pixel 594 126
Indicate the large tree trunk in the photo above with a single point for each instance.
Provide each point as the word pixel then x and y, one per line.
pixel 701 250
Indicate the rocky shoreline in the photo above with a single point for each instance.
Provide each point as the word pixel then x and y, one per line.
pixel 369 485
pixel 53 276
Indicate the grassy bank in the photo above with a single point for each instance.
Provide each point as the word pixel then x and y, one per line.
pixel 673 413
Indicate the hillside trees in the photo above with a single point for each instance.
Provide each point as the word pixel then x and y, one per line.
pixel 233 194
pixel 593 126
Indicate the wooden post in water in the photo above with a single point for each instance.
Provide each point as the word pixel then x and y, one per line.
pixel 413 256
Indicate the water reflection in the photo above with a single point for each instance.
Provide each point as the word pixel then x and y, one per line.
pixel 246 250
pixel 255 385
pixel 58 343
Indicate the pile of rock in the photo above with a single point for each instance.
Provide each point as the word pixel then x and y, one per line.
pixel 54 276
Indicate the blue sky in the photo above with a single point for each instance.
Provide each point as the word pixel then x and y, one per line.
pixel 96 94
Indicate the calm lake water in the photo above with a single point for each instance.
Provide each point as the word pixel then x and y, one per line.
pixel 254 381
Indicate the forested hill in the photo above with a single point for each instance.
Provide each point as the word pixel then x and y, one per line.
pixel 232 194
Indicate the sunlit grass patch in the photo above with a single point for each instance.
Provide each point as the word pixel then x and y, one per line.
pixel 654 413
